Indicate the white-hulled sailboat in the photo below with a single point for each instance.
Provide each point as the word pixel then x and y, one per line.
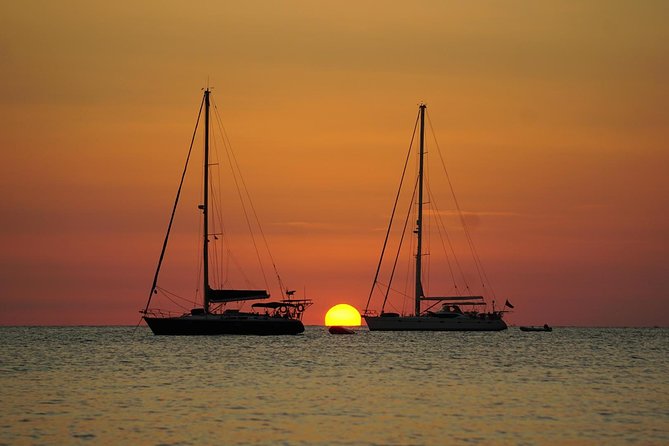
pixel 281 317
pixel 456 313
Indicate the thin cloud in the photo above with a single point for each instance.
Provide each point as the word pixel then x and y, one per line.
pixel 474 213
pixel 312 226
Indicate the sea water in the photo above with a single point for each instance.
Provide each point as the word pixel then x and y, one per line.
pixel 118 385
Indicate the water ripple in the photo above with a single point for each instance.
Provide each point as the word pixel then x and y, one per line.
pixel 115 385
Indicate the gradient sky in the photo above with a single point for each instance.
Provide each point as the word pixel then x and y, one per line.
pixel 553 117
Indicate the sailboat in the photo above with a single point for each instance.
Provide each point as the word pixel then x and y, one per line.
pixel 456 313
pixel 282 317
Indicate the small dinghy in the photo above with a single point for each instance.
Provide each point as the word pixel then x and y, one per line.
pixel 544 328
pixel 336 329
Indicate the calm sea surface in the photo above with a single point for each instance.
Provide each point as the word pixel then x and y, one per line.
pixel 114 385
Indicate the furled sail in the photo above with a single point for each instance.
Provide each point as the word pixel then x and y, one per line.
pixel 218 296
pixel 454 298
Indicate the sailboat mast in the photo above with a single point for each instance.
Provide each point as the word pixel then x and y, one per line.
pixel 205 206
pixel 419 223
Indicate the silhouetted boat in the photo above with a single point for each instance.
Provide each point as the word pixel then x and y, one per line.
pixel 545 327
pixel 450 317
pixel 281 317
pixel 336 329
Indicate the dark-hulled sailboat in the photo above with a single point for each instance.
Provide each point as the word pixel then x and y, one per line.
pixel 281 317
pixel 457 313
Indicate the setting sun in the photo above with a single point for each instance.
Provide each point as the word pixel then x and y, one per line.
pixel 344 315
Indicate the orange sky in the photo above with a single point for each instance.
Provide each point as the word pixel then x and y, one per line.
pixel 552 115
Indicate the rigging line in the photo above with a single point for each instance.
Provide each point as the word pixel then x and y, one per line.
pixel 408 273
pixel 401 293
pixel 229 152
pixel 253 209
pixel 214 257
pixel 411 250
pixel 248 195
pixel 399 248
pixel 214 273
pixel 450 245
pixel 174 301
pixel 477 260
pixel 230 256
pixel 137 326
pixel 174 209
pixel 217 203
pixel 381 284
pixel 239 268
pixel 241 199
pixel 199 280
pixel 167 292
pixel 392 214
pixel 427 238
pixel 199 257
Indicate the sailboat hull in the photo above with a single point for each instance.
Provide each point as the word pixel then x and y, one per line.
pixel 430 323
pixel 214 324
